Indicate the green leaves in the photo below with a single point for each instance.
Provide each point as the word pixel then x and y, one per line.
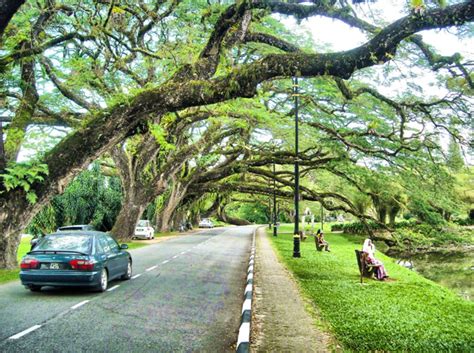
pixel 159 133
pixel 23 175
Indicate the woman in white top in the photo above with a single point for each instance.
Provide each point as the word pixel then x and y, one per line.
pixel 369 248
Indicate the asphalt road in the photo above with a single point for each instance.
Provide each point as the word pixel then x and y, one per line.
pixel 187 298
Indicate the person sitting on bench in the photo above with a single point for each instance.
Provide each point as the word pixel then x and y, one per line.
pixel 369 249
pixel 320 242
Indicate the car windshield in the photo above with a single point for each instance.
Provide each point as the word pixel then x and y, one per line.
pixel 142 224
pixel 65 242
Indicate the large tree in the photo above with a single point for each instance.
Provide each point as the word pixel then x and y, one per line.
pixel 113 65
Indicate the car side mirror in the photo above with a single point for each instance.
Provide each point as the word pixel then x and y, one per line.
pixel 33 242
pixel 123 246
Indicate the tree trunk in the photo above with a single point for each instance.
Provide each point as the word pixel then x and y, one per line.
pixel 166 217
pixel 163 219
pixel 382 214
pixel 392 214
pixel 12 224
pixel 8 251
pixel 7 9
pixel 133 206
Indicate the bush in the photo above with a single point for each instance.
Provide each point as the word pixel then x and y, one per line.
pixel 355 227
pixel 464 222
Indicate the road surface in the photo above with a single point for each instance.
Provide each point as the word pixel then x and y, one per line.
pixel 185 296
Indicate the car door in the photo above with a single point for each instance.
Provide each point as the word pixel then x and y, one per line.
pixel 117 257
pixel 110 254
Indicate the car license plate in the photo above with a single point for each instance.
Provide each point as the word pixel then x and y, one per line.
pixel 54 266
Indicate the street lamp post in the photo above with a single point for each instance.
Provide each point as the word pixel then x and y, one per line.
pixel 296 235
pixel 322 218
pixel 274 204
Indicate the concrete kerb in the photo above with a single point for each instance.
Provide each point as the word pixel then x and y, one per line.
pixel 243 340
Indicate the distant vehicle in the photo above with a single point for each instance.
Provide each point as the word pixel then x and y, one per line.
pixel 144 230
pixel 206 223
pixel 75 258
pixel 76 227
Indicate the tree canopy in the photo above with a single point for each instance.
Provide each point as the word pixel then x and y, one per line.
pixel 120 73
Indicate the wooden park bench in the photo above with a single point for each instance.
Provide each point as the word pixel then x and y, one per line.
pixel 365 269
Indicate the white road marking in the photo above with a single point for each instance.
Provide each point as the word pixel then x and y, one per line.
pixel 113 288
pixel 80 304
pixel 25 332
pixel 136 276
pixel 166 261
pixel 175 256
pixel 183 252
pixel 151 268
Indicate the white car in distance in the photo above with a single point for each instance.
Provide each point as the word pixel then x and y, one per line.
pixel 144 230
pixel 206 223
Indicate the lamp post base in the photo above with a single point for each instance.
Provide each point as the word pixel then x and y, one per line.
pixel 296 246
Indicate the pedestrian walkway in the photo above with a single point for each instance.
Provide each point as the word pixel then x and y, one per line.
pixel 280 322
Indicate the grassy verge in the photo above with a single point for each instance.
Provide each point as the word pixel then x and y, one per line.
pixel 408 313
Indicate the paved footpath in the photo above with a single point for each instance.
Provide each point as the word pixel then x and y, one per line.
pixel 281 323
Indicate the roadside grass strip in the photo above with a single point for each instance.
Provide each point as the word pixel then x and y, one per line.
pixel 243 339
pixel 406 313
pixel 25 332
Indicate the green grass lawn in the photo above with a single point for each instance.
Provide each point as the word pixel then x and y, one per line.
pixel 408 313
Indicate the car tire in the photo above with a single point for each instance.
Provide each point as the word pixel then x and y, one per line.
pixel 34 288
pixel 103 281
pixel 128 274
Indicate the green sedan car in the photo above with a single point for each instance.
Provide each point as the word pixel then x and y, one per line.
pixel 75 258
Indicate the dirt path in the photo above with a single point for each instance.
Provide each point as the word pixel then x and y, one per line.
pixel 280 322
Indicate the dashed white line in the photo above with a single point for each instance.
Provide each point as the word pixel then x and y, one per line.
pixel 80 304
pixel 175 256
pixel 113 288
pixel 151 268
pixel 166 261
pixel 25 332
pixel 183 252
pixel 136 276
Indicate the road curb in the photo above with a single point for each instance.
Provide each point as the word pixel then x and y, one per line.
pixel 243 340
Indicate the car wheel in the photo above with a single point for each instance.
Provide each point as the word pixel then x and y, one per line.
pixel 103 281
pixel 34 288
pixel 128 274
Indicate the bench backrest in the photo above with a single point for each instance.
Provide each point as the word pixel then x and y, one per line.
pixel 359 260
